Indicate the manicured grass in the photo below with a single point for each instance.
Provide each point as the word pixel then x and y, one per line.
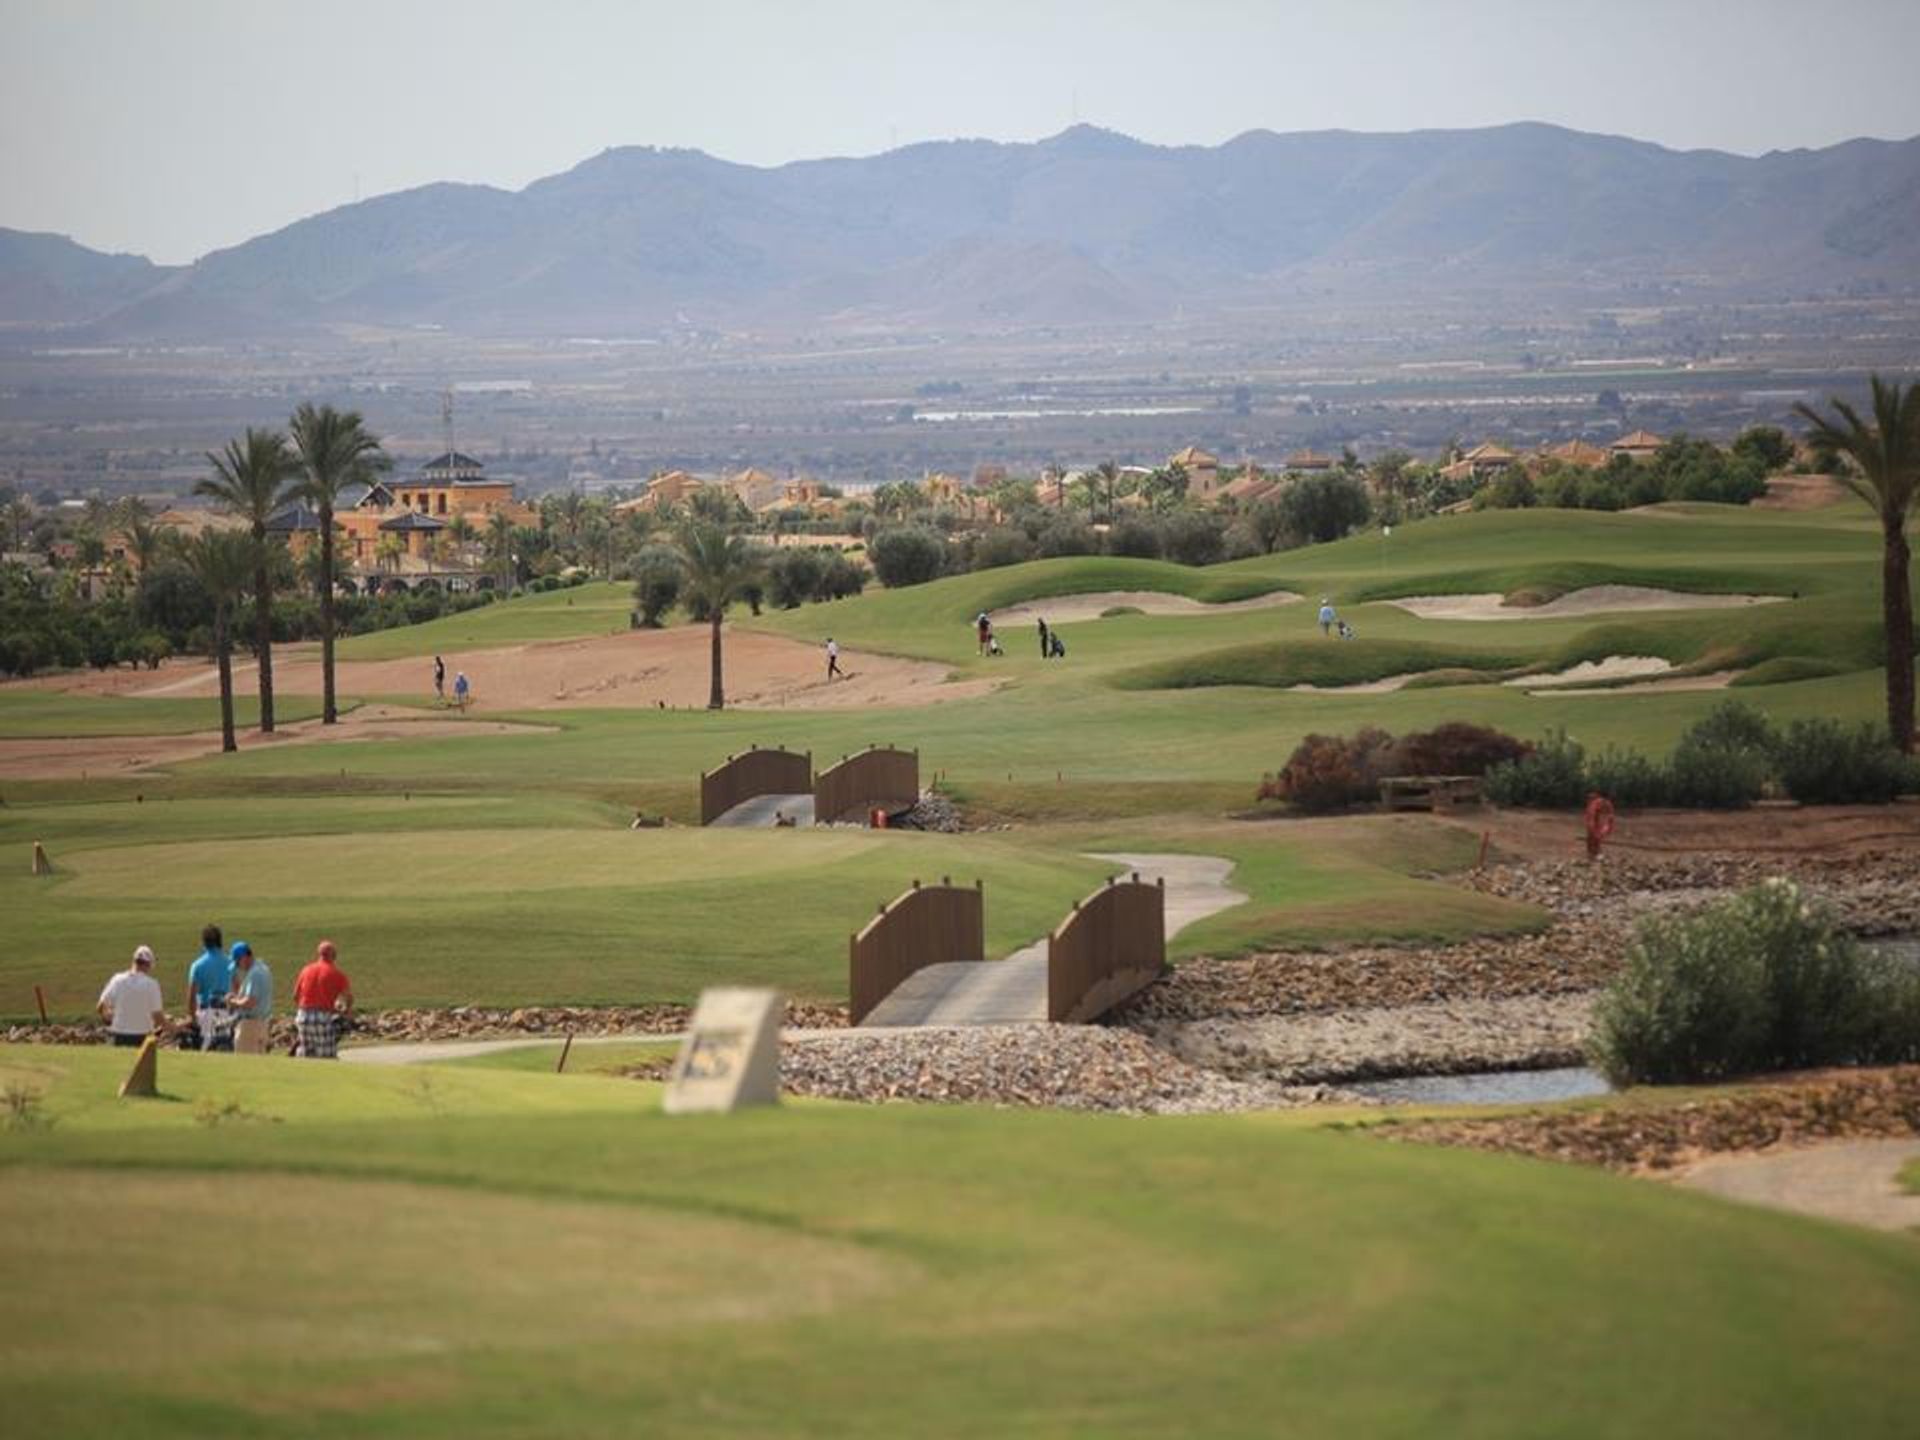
pixel 502 1254
pixel 464 914
pixel 598 608
pixel 1910 1176
pixel 1315 882
pixel 52 714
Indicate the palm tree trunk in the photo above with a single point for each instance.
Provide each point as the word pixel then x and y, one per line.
pixel 223 656
pixel 263 628
pixel 1897 604
pixel 716 699
pixel 328 714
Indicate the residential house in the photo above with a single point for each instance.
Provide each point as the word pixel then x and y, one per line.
pixel 1640 445
pixel 1203 472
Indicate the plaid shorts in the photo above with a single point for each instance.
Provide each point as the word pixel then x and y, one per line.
pixel 319 1034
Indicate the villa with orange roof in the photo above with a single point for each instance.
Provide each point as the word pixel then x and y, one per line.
pixel 1640 445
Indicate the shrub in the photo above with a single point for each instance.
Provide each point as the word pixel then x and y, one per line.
pixel 1065 536
pixel 1732 723
pixel 1002 545
pixel 1822 762
pixel 1456 748
pixel 1193 537
pixel 907 555
pixel 794 576
pixel 1323 507
pixel 1328 772
pixel 1714 777
pixel 841 579
pixel 1764 981
pixel 1134 537
pixel 657 577
pixel 1552 777
pixel 1627 777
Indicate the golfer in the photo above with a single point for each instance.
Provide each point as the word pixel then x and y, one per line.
pixel 1046 640
pixel 1327 617
pixel 251 1000
pixel 439 679
pixel 324 996
pixel 461 689
pixel 131 1002
pixel 833 660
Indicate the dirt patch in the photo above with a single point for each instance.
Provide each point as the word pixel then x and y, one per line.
pixel 1857 1181
pixel 1594 600
pixel 66 759
pixel 637 669
pixel 1068 609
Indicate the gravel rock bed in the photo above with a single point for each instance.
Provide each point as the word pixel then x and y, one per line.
pixel 1566 959
pixel 1455 1037
pixel 1072 1067
pixel 1853 1105
pixel 476 1023
pixel 1875 891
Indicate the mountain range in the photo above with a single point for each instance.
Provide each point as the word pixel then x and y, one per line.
pixel 1087 227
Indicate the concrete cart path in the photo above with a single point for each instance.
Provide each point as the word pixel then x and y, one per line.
pixel 757 813
pixel 1014 990
pixel 1852 1180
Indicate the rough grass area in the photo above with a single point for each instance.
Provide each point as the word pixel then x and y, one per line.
pixel 509 1255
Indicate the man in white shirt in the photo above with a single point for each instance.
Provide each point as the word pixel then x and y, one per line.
pixel 131 1002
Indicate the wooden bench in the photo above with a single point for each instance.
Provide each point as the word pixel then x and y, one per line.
pixel 1429 792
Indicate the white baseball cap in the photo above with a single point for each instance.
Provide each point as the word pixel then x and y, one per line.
pixel 142 955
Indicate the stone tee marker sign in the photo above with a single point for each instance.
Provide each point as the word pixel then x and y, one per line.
pixel 144 1078
pixel 731 1056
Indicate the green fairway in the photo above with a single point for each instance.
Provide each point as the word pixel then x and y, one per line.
pixel 593 913
pixel 51 714
pixel 458 1251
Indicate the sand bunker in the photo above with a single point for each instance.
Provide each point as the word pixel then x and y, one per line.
pixel 637 669
pixel 1067 609
pixel 1714 680
pixel 67 759
pixel 1386 684
pixel 1594 600
pixel 1614 667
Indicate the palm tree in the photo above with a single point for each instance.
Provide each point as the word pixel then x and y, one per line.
pixel 252 479
pixel 387 551
pixel 500 549
pixel 1881 464
pixel 335 450
pixel 720 567
pixel 146 542
pixel 20 520
pixel 223 561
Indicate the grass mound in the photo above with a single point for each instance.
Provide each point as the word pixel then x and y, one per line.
pixel 1785 669
pixel 542 1255
pixel 1317 662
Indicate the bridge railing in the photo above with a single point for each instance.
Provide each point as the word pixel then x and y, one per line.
pixel 1113 945
pixel 926 925
pixel 878 778
pixel 753 772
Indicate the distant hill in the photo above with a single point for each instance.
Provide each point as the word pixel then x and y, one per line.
pixel 1085 227
pixel 49 280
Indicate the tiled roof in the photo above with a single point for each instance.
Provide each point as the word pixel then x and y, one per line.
pixel 413 520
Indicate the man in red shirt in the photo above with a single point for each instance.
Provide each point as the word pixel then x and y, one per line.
pixel 323 995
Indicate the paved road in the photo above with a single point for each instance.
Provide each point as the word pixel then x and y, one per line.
pixel 1014 990
pixel 757 813
pixel 1852 1180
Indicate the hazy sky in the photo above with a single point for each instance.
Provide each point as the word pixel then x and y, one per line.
pixel 171 127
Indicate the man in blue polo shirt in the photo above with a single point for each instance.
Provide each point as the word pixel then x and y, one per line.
pixel 208 980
